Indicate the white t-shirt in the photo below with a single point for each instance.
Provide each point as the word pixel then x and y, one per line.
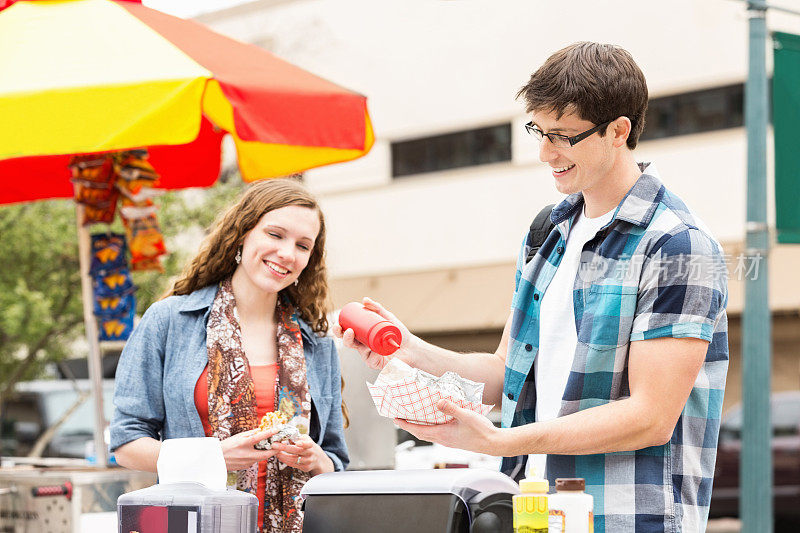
pixel 558 337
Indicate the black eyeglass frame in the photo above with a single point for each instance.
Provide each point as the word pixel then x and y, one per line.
pixel 534 130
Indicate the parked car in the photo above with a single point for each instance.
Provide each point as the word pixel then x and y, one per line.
pixel 37 405
pixel 785 460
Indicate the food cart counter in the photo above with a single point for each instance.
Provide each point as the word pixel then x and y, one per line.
pixel 64 499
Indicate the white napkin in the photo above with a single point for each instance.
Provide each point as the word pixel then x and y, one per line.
pixel 179 459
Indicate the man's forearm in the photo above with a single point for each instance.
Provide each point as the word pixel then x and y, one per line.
pixel 487 368
pixel 661 373
pixel 618 426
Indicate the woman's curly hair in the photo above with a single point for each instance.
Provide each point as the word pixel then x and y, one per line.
pixel 215 260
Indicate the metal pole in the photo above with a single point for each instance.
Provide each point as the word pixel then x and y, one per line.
pixel 93 360
pixel 755 503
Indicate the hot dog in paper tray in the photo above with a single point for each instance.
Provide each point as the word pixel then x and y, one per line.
pixel 401 391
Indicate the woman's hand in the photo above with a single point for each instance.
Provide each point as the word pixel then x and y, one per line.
pixel 372 359
pixel 305 455
pixel 239 452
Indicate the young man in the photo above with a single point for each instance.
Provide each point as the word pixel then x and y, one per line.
pixel 613 361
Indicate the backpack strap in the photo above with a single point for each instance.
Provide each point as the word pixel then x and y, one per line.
pixel 539 230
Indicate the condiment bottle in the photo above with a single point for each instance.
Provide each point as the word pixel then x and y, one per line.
pixel 570 507
pixel 530 507
pixel 371 329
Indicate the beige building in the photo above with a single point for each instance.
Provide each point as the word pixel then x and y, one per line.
pixel 430 222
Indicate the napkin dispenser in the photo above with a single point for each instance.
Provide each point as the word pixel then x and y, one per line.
pixel 187 507
pixel 463 500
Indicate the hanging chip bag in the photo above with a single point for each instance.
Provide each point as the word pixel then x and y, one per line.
pixel 114 282
pixel 152 264
pixel 96 168
pixel 91 193
pixel 116 329
pixel 102 213
pixel 108 253
pixel 145 239
pixel 113 305
pixel 133 167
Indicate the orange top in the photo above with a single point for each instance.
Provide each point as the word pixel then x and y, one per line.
pixel 264 380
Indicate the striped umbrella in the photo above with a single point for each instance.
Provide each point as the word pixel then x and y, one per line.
pixel 85 76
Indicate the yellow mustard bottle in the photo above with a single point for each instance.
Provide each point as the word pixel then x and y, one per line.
pixel 530 508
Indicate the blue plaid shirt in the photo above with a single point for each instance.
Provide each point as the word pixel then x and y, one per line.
pixel 653 271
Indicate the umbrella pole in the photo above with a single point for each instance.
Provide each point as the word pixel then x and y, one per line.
pixel 93 360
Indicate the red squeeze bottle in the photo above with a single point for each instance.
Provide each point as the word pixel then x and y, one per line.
pixel 371 329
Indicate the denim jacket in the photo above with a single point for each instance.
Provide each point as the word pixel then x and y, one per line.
pixel 164 357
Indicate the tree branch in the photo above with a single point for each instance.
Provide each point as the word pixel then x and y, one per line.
pixel 8 384
pixel 45 438
pixel 59 311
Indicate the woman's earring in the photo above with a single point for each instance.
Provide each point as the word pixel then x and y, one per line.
pixel 296 282
pixel 238 257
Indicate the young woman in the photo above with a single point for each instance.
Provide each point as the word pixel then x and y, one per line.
pixel 238 337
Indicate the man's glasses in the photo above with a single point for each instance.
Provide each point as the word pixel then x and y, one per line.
pixel 562 141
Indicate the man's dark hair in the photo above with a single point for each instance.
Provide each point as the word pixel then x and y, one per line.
pixel 598 82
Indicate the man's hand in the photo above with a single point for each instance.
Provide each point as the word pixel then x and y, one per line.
pixel 372 359
pixel 468 430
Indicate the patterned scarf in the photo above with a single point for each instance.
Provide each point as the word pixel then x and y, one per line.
pixel 232 402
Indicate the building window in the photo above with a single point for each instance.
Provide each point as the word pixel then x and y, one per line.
pixel 695 112
pixel 452 150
